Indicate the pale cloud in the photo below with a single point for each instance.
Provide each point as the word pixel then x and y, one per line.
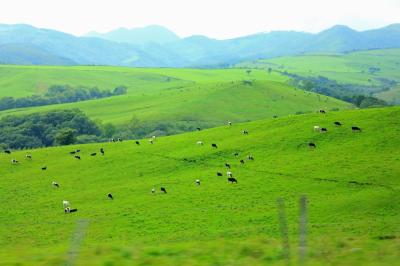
pixel 214 18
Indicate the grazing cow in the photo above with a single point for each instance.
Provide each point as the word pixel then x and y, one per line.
pixel 242 161
pixel 356 129
pixel 323 130
pixel 77 157
pixel 198 182
pixel 200 143
pixel 66 204
pixel 236 154
pixel 245 132
pixel 250 157
pixel 77 151
pixel 219 174
pixel 153 190
pixel 69 210
pixel 28 156
pixel 232 180
pixel 322 111
pixel 13 161
pixel 198 129
pixel 137 142
pixel 72 152
pixel 110 196
pixel 229 173
pixel 214 145
pixel 102 151
pixel 316 128
pixel 312 145
pixel 338 124
pixel 228 165
pixel 7 151
pixel 55 184
pixel 44 168
pixel 93 154
pixel 230 123
pixel 163 190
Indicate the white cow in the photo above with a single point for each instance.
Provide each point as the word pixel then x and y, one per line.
pixel 198 182
pixel 316 128
pixel 229 173
pixel 66 204
pixel 199 143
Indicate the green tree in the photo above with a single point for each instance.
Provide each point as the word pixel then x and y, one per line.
pixel 65 136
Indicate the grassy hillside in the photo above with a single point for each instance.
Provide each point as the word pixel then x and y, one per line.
pixel 345 68
pixel 199 97
pixel 351 181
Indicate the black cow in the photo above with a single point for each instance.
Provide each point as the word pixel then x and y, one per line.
pixel 110 196
pixel 77 150
pixel 228 165
pixel 214 145
pixel 72 152
pixel 322 111
pixel 356 129
pixel 68 210
pixel 93 154
pixel 242 161
pixel 338 124
pixel 245 132
pixel 323 129
pixel 119 139
pixel 7 151
pixel 137 142
pixel 28 156
pixel 250 157
pixel 312 145
pixel 102 151
pixel 232 180
pixel 219 174
pixel 44 168
pixel 77 157
pixel 198 129
pixel 236 154
pixel 163 190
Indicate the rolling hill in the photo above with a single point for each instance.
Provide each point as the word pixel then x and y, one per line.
pixel 188 97
pixel 155 46
pixel 371 69
pixel 351 181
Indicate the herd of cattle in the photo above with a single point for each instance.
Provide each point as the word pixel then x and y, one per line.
pixel 231 178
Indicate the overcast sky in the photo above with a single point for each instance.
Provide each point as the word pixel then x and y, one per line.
pixel 214 18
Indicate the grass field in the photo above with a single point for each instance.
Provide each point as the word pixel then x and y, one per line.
pixel 351 181
pixel 200 97
pixel 347 68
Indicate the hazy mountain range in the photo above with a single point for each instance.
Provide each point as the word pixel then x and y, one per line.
pixel 156 46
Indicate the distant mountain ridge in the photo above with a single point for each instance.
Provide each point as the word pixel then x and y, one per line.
pixel 156 46
pixel 150 34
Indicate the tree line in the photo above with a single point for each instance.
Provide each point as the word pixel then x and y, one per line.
pixel 58 94
pixel 65 127
pixel 356 94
